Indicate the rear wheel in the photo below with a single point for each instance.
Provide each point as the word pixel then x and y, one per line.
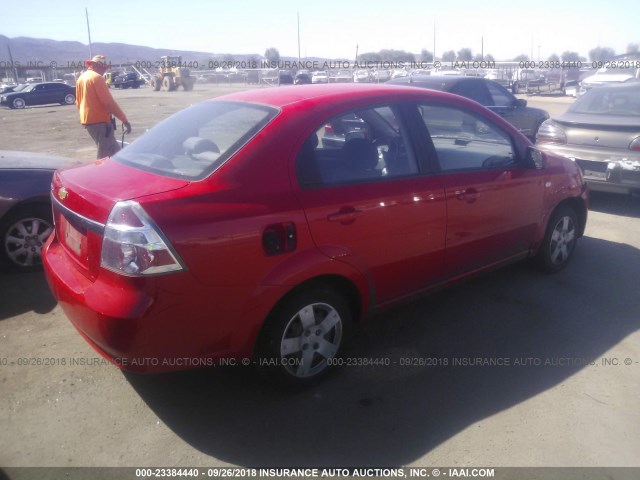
pixel 559 240
pixel 187 84
pixel 69 99
pixel 302 336
pixel 23 233
pixel 156 83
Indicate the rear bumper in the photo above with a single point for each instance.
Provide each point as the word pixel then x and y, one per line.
pixel 156 324
pixel 605 170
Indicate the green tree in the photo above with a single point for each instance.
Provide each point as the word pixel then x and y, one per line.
pixel 449 56
pixel 426 56
pixel 465 54
pixel 489 58
pixel 601 53
pixel 396 56
pixel 369 57
pixel 228 58
pixel 633 47
pixel 570 56
pixel 521 58
pixel 553 57
pixel 272 54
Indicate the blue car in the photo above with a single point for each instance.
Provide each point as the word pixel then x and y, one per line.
pixel 40 94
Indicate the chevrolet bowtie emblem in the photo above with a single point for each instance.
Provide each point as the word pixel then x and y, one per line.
pixel 62 193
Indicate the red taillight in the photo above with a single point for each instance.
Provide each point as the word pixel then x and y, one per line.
pixel 635 145
pixel 132 244
pixel 328 129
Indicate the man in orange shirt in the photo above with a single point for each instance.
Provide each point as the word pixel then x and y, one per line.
pixel 96 105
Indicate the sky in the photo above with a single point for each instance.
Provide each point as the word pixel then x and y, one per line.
pixel 335 28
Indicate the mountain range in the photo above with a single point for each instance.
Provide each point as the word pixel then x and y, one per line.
pixel 27 49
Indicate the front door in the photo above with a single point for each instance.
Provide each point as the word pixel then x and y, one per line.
pixel 493 201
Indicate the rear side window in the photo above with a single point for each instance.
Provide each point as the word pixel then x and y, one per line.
pixel 360 146
pixel 194 142
pixel 465 142
pixel 609 101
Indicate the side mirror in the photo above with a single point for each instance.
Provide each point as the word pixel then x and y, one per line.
pixel 521 102
pixel 535 158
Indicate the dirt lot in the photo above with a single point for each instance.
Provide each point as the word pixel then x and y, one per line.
pixel 56 129
pixel 565 394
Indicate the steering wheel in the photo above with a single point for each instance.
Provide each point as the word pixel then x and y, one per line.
pixel 393 144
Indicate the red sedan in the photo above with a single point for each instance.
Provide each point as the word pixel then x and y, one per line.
pixel 260 225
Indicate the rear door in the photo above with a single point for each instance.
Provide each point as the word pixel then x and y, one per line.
pixel 493 202
pixel 368 203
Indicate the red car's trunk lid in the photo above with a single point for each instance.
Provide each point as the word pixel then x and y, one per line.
pixel 83 198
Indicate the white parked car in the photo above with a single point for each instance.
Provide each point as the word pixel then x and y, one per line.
pixel 320 77
pixel 361 76
pixel 608 76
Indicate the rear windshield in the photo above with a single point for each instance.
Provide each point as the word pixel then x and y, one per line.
pixel 609 101
pixel 194 142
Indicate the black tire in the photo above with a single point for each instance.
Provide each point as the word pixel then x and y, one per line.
pixel 18 103
pixel 156 84
pixel 69 99
pixel 23 232
pixel 168 84
pixel 293 354
pixel 559 240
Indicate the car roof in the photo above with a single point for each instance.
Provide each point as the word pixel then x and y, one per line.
pixel 439 82
pixel 10 159
pixel 631 84
pixel 47 83
pixel 300 94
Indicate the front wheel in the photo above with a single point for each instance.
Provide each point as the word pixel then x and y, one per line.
pixel 156 83
pixel 302 337
pixel 167 84
pixel 559 240
pixel 18 103
pixel 69 99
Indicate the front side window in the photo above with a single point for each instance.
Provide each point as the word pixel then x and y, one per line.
pixel 500 96
pixel 463 141
pixel 196 141
pixel 364 145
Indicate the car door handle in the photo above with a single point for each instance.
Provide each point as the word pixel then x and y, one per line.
pixel 345 215
pixel 469 195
